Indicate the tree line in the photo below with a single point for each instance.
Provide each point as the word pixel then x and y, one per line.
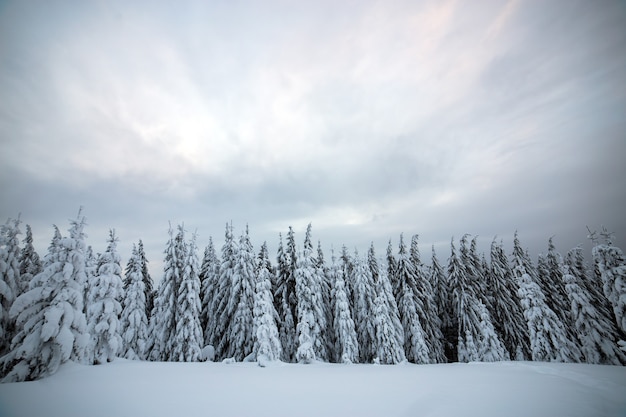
pixel 352 308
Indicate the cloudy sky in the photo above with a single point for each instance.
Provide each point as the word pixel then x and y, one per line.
pixel 366 118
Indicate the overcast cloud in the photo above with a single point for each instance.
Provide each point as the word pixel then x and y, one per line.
pixel 365 118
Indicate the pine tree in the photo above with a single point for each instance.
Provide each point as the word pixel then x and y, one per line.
pixel 30 264
pixel 310 311
pixel 511 325
pixel 133 321
pixel 346 343
pixel 477 338
pixel 104 306
pixel 592 283
pixel 387 350
pixel 163 315
pixel 326 283
pixel 221 319
pixel 10 287
pixel 209 278
pixel 441 292
pixel 611 265
pixel 188 338
pixel 91 270
pixel 598 338
pixel 388 343
pixel 238 341
pixel 147 280
pixel 363 308
pixel 50 319
pixel 415 345
pixel 283 293
pixel 431 322
pixel 267 345
pixel 550 280
pixel 548 336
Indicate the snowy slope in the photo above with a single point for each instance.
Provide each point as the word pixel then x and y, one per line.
pixel 132 388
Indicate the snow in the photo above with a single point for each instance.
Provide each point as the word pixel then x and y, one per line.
pixel 135 388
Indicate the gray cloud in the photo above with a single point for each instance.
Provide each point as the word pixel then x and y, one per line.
pixel 368 119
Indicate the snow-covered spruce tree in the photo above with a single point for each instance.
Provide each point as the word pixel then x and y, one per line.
pixel 104 306
pixel 320 341
pixel 548 336
pixel 188 338
pixel 267 347
pixel 285 300
pixel 49 317
pixel 91 270
pixel 510 324
pixel 221 319
pixel 30 263
pixel 326 283
pixel 598 339
pixel 346 344
pixel 477 338
pixel 388 343
pixel 611 265
pixel 550 280
pixel 391 270
pixel 238 340
pixel 310 312
pixel 209 279
pixel 163 316
pixel 133 321
pixel 363 308
pixel 393 348
pixel 441 294
pixel 147 280
pixel 592 283
pixel 9 279
pixel 415 345
pixel 473 271
pixel 431 322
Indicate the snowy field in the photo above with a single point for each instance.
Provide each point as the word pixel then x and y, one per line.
pixel 129 388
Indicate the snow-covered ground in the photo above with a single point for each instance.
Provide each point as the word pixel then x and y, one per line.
pixel 130 388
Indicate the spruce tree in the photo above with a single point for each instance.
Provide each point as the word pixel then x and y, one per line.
pixel 133 321
pixel 238 342
pixel 267 347
pixel 221 318
pixel 104 306
pixel 209 278
pixel 311 322
pixel 282 296
pixel 550 279
pixel 49 317
pixel 346 343
pixel 611 265
pixel 510 324
pixel 30 263
pixel 10 285
pixel 548 337
pixel 415 345
pixel 592 283
pixel 363 308
pixel 477 338
pixel 147 280
pixel 163 315
pixel 386 350
pixel 431 322
pixel 388 343
pixel 441 292
pixel 188 338
pixel 597 337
